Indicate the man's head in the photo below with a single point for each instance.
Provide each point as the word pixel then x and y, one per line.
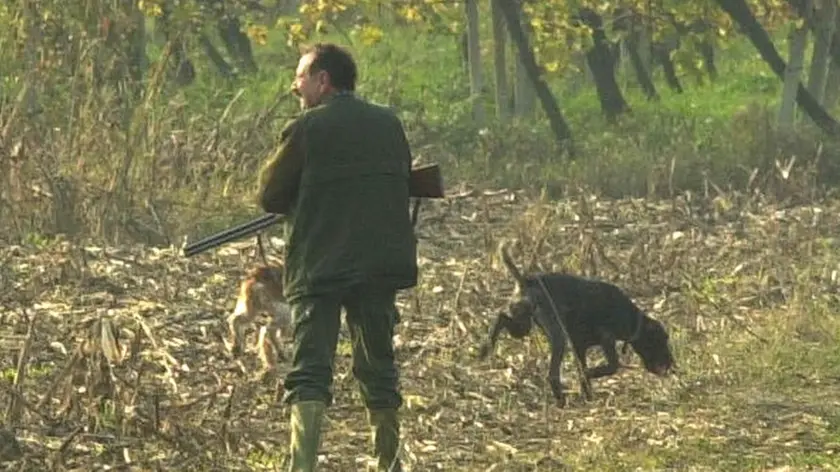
pixel 323 69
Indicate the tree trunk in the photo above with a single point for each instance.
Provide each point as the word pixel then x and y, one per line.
pixel 524 95
pixel 126 41
pixel 499 62
pixel 601 64
pixel 32 23
pixel 832 86
pixel 123 62
pixel 474 54
pixel 236 42
pixel 628 21
pixel 562 133
pixel 184 71
pixel 822 47
pixel 662 54
pixel 707 51
pixel 138 61
pixel 215 57
pixel 832 83
pixel 229 28
pixel 706 46
pixel 804 10
pixel 741 14
pixel 286 7
pixel 793 71
pixel 642 73
pixel 463 48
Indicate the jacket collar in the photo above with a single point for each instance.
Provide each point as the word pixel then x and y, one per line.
pixel 340 94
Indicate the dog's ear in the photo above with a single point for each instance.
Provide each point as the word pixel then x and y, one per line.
pixel 532 290
pixel 533 295
pixel 520 306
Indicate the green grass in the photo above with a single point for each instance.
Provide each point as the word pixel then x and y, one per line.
pixel 714 134
pixel 711 129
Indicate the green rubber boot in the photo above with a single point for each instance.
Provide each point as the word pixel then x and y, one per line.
pixel 385 432
pixel 305 423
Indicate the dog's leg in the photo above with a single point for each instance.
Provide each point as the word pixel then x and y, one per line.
pixel 612 364
pixel 236 332
pixel 275 333
pixel 243 314
pixel 269 344
pixel 581 354
pixel 502 323
pixel 555 369
pixel 281 323
pixel 266 348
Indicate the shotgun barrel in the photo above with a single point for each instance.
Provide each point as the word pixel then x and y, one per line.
pixel 231 234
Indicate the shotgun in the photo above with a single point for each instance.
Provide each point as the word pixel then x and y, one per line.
pixel 231 234
pixel 424 182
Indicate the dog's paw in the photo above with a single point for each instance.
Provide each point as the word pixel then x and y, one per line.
pixel 233 349
pixel 558 391
pixel 267 376
pixel 560 399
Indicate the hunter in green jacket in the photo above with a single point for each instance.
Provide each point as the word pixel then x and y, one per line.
pixel 341 174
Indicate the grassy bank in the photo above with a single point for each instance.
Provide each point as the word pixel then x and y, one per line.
pixel 183 161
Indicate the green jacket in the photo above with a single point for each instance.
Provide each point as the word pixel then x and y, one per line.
pixel 341 174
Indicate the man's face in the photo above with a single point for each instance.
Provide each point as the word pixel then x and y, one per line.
pixel 309 87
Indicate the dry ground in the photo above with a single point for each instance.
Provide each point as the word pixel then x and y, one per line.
pixel 747 289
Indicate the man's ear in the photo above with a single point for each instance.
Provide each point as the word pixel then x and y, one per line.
pixel 323 79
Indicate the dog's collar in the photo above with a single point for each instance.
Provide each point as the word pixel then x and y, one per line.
pixel 638 332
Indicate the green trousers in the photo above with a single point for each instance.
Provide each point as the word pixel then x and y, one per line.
pixel 371 317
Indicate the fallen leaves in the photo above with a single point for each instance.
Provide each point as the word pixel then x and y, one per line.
pixel 158 383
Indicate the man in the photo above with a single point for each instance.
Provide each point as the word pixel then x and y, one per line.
pixel 341 174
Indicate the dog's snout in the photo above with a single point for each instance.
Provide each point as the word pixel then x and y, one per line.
pixel 665 370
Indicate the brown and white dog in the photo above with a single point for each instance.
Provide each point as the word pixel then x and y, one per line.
pixel 260 292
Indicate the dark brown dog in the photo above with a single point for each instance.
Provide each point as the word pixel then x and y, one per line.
pixel 595 313
pixel 261 292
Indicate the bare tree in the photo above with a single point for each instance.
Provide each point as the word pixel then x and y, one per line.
pixel 743 16
pixel 562 132
pixel 474 59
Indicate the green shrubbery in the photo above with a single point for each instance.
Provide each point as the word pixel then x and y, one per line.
pixel 184 161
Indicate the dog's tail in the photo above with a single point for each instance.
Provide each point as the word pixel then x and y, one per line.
pixel 504 253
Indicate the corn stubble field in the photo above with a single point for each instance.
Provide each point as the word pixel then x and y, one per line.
pixel 747 289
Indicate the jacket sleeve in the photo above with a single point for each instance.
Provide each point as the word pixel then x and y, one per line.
pixel 280 176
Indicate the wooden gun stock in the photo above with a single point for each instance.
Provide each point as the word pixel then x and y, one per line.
pixel 426 182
